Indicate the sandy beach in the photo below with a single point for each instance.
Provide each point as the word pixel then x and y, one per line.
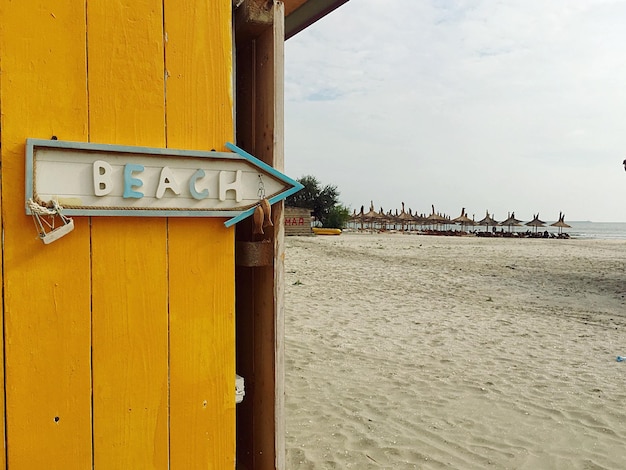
pixel 409 351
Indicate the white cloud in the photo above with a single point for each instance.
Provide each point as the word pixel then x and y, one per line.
pixel 499 105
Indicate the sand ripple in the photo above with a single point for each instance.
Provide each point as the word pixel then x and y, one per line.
pixel 407 351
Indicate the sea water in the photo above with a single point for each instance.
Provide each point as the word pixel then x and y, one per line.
pixel 599 230
pixel 583 229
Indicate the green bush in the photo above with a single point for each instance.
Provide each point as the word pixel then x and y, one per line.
pixel 337 218
pixel 323 202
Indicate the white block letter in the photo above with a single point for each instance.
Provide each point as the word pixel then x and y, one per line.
pixel 167 181
pixel 102 178
pixel 236 186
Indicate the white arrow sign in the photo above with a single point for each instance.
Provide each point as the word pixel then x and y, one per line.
pixel 113 180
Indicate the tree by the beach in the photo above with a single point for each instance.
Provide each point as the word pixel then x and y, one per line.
pixel 338 217
pixel 322 201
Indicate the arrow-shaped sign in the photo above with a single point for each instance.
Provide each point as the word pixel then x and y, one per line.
pixel 113 180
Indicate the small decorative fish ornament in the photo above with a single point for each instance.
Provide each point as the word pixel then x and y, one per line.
pixel 257 218
pixel 267 210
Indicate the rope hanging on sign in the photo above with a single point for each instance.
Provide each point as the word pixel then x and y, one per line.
pixel 49 220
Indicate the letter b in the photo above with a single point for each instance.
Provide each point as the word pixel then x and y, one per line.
pixel 102 184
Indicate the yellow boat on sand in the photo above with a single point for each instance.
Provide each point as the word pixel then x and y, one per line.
pixel 326 231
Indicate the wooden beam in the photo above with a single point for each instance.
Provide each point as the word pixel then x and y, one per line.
pixel 307 13
pixel 259 289
pixel 253 17
pixel 292 5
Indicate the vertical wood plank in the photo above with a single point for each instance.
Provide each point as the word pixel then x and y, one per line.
pixel 201 252
pixel 126 72
pixel 130 317
pixel 244 324
pixel 202 340
pixel 129 344
pixel 260 131
pixel 199 67
pixel 274 43
pixel 46 287
pixel 3 460
pixel 247 439
pixel 3 391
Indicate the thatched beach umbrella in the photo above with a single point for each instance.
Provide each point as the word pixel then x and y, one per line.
pixel 561 223
pixel 372 216
pixel 463 219
pixel 391 220
pixel 435 219
pixel 356 218
pixel 511 221
pixel 419 219
pixel 394 218
pixel 536 222
pixel 385 219
pixel 405 218
pixel 488 221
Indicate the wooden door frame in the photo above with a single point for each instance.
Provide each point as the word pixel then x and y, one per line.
pixel 259 291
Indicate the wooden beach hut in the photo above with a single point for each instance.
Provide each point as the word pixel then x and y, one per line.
pixel 297 221
pixel 122 339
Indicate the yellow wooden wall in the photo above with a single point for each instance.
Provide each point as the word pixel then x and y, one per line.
pixel 119 338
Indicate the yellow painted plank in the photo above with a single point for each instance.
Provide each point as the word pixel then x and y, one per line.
pixel 46 288
pixel 130 318
pixel 201 252
pixel 2 375
pixel 2 392
pixel 202 340
pixel 129 343
pixel 199 74
pixel 126 72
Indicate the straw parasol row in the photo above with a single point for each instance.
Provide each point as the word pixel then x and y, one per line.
pixel 406 220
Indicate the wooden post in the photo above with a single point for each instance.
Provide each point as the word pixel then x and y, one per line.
pixel 260 290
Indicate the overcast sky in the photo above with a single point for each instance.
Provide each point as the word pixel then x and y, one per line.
pixel 496 105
